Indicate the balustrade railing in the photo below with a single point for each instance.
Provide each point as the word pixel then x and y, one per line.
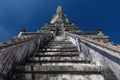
pixel 95 42
pixel 13 53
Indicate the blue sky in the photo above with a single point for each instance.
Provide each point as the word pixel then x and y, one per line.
pixel 32 14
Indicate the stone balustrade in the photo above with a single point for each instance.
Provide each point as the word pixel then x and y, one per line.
pixel 108 56
pixel 14 53
pixel 102 44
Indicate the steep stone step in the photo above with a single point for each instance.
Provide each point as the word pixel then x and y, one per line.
pixel 57 55
pixel 67 42
pixel 59 47
pixel 62 42
pixel 60 77
pixel 60 69
pixel 59 72
pixel 74 50
pixel 67 68
pixel 58 61
pixel 58 58
pixel 54 49
pixel 64 64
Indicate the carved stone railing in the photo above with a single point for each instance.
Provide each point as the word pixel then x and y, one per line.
pixel 13 53
pixel 100 53
pixel 104 45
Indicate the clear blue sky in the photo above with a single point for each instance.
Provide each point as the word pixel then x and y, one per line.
pixel 32 14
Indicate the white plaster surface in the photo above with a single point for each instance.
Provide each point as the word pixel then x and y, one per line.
pixel 108 59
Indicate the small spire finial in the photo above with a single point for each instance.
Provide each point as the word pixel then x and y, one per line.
pixel 98 29
pixel 59 9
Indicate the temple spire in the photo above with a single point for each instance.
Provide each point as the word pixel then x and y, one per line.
pixel 59 17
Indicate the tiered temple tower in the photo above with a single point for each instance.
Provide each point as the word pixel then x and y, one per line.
pixel 59 51
pixel 60 24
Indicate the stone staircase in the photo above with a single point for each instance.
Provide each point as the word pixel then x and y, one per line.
pixel 59 60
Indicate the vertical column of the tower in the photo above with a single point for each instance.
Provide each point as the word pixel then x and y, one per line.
pixel 77 44
pixel 59 19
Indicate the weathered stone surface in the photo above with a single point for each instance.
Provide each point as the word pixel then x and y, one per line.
pixel 16 54
pixel 60 68
pixel 108 59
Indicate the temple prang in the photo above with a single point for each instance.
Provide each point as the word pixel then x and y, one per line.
pixel 60 50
